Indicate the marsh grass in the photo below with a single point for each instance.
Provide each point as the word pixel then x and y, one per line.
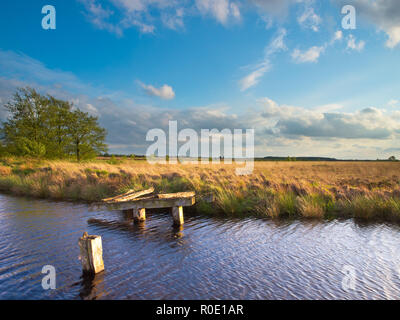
pixel 312 190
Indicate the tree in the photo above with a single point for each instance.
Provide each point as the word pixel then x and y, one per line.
pixel 43 126
pixel 87 137
pixel 30 148
pixel 58 121
pixel 392 158
pixel 27 118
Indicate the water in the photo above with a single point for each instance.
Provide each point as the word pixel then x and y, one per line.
pixel 208 258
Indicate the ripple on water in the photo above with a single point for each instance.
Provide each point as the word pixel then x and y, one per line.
pixel 207 258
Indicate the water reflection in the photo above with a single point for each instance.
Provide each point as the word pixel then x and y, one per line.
pixel 206 258
pixel 141 229
pixel 92 286
pixel 177 231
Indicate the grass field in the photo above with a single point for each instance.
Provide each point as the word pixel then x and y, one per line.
pixel 365 190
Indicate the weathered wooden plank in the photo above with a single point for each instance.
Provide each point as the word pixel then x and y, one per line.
pixel 147 203
pixel 118 196
pixel 176 195
pixel 130 195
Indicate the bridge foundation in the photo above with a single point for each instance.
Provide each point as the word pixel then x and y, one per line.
pixel 177 215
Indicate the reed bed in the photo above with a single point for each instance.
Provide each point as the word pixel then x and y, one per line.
pixel 312 190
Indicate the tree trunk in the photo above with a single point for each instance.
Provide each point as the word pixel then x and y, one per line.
pixel 78 156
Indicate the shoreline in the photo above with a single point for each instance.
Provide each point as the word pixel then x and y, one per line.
pixel 312 190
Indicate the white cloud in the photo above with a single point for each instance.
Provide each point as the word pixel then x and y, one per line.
pixel 254 77
pixel 91 109
pixel 328 107
pixel 118 15
pixel 280 129
pixel 222 10
pixel 175 20
pixel 394 36
pixel 337 36
pixel 164 92
pixel 98 16
pixel 291 121
pixel 353 44
pixel 310 55
pixel 235 11
pixel 277 44
pixel 309 19
pixel 20 66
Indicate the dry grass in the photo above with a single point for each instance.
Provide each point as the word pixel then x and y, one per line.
pixel 367 190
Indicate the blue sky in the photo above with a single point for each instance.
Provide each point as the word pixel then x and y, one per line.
pixel 286 68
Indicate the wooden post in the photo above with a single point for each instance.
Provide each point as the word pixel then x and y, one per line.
pixel 91 253
pixel 139 215
pixel 177 215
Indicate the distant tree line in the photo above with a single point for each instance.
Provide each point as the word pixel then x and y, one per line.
pixel 42 126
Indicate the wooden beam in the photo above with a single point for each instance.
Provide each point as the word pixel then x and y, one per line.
pixel 148 203
pixel 130 195
pixel 176 195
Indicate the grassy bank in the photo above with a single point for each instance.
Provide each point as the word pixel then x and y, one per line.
pixel 365 190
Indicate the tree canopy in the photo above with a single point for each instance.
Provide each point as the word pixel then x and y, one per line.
pixel 45 127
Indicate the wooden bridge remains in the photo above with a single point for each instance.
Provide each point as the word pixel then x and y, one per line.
pixel 137 202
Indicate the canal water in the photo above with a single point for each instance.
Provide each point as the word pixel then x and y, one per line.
pixel 209 258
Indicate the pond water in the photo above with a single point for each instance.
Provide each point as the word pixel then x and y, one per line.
pixel 207 258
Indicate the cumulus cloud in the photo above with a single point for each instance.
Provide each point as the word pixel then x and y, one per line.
pixel 164 92
pixel 368 123
pixel 310 55
pixel 394 36
pixel 280 129
pixel 328 107
pixel 277 44
pixel 126 121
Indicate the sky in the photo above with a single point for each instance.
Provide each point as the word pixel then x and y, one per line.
pixel 286 68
